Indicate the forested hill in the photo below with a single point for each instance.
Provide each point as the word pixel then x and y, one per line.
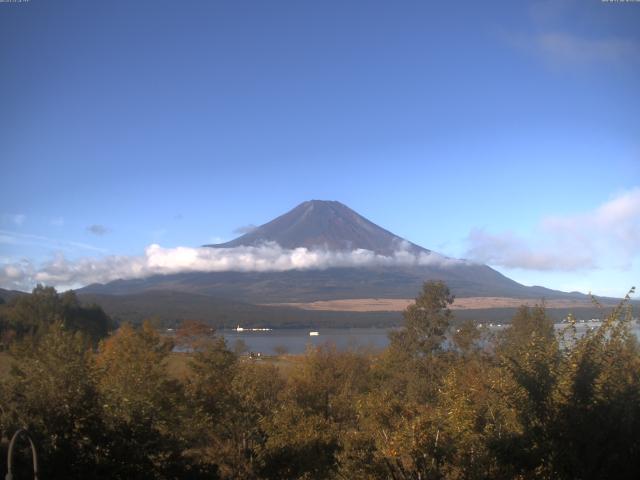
pixel 30 315
pixel 6 295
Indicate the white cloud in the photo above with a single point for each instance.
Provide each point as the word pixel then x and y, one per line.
pixel 607 236
pixel 57 221
pixel 512 251
pixel 63 273
pixel 19 238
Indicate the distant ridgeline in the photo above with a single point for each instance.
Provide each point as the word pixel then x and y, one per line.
pixel 224 313
pixel 96 314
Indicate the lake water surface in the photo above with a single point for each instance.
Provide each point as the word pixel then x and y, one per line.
pixel 296 340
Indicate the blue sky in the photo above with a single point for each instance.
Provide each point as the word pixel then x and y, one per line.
pixel 504 132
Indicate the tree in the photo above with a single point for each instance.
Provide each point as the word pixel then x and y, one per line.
pixel 466 338
pixel 597 425
pixel 530 358
pixel 213 405
pixel 256 388
pixel 142 407
pixel 316 409
pixel 194 335
pixel 414 362
pixel 426 321
pixel 51 391
pixel 32 315
pixel 89 319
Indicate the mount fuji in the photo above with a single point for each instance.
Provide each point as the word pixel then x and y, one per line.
pixel 313 226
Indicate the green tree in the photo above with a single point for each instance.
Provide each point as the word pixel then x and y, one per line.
pixel 32 315
pixel 530 357
pixel 426 322
pixel 414 362
pixel 596 432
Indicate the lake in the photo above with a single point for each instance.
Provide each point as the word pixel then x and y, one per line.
pixel 296 340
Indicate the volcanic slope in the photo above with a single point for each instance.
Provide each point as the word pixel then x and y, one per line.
pixel 332 226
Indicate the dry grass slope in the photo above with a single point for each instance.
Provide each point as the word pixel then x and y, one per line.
pixel 399 304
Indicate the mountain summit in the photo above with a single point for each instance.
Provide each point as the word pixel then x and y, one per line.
pixel 230 296
pixel 324 224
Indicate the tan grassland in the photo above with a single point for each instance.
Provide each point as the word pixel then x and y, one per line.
pixel 399 304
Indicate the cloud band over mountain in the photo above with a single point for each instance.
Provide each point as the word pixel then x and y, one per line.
pixel 157 260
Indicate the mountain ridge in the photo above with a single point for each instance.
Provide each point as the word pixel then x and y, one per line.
pixel 324 224
pixel 331 226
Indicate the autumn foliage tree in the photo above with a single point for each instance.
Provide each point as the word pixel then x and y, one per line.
pixel 51 391
pixel 140 402
pixel 441 402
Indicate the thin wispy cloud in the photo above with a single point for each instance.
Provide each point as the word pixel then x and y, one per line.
pixel 156 260
pixel 18 238
pixel 509 250
pixel 86 246
pixel 245 229
pixel 608 236
pixel 14 218
pixel 98 230
pixel 7 239
pixel 563 49
pixel 557 36
pixel 57 221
